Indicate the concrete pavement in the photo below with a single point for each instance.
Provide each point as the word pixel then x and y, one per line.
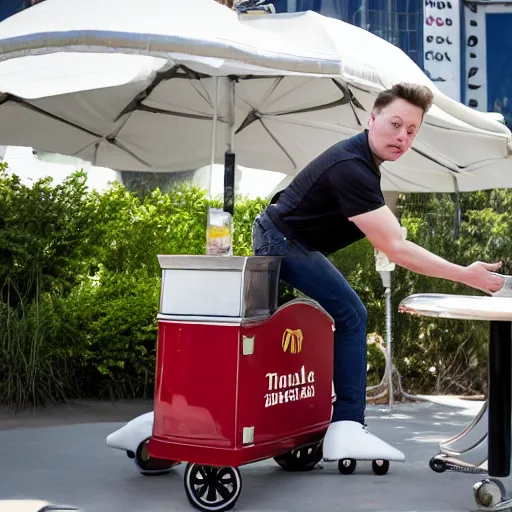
pixel 70 464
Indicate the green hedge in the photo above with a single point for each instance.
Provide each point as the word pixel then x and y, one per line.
pixel 80 285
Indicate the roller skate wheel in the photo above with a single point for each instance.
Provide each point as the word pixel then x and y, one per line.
pixel 437 465
pixel 148 466
pixel 380 467
pixel 346 466
pixel 488 493
pixel 304 458
pixel 212 489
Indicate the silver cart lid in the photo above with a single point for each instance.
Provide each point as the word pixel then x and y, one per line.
pixel 219 286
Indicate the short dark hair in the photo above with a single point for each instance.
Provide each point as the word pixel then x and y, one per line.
pixel 416 94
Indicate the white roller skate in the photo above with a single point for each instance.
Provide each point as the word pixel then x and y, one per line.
pixel 349 441
pixel 133 438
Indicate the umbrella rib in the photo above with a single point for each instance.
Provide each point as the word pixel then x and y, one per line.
pixel 355 101
pixel 177 71
pixel 16 99
pixel 154 110
pixel 111 140
pixel 131 153
pixel 69 123
pixel 271 89
pixel 278 144
pixel 254 115
pixel 332 104
pixel 203 92
pixel 347 93
pixel 142 95
pixel 434 160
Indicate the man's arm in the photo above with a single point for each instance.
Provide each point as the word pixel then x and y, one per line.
pixel 383 231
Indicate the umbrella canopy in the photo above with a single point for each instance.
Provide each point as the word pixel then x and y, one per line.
pixel 139 87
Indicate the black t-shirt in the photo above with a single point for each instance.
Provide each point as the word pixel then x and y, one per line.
pixel 341 182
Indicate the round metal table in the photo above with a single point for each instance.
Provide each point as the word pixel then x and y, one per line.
pixel 485 445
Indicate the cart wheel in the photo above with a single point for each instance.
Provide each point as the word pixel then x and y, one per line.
pixel 380 467
pixel 151 467
pixel 437 465
pixel 301 459
pixel 346 466
pixel 489 492
pixel 212 489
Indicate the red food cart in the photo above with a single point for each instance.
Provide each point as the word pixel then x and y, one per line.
pixel 238 379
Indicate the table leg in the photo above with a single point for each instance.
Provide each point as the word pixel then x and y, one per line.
pixel 500 398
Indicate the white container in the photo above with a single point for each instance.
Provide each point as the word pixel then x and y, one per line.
pixel 219 286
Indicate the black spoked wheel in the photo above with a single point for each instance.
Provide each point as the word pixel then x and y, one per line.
pixel 437 465
pixel 301 459
pixel 212 489
pixel 149 466
pixel 346 466
pixel 380 467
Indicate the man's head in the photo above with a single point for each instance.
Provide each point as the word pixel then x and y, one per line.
pixel 396 118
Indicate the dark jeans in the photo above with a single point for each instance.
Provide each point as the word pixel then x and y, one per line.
pixel 315 276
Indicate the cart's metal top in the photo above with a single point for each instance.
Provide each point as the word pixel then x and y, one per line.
pixel 206 262
pixel 465 307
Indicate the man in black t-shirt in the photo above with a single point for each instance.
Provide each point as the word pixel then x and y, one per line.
pixel 333 202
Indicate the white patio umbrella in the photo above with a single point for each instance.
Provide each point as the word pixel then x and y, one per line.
pixel 133 87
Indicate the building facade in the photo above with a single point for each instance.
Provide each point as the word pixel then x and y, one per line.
pixel 10 7
pixel 487 56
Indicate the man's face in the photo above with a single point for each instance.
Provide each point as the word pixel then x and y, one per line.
pixel 391 131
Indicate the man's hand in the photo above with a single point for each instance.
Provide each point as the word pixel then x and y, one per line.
pixel 480 275
pixel 383 231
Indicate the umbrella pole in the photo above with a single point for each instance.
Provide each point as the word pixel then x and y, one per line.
pixel 219 236
pixel 214 133
pixel 229 158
